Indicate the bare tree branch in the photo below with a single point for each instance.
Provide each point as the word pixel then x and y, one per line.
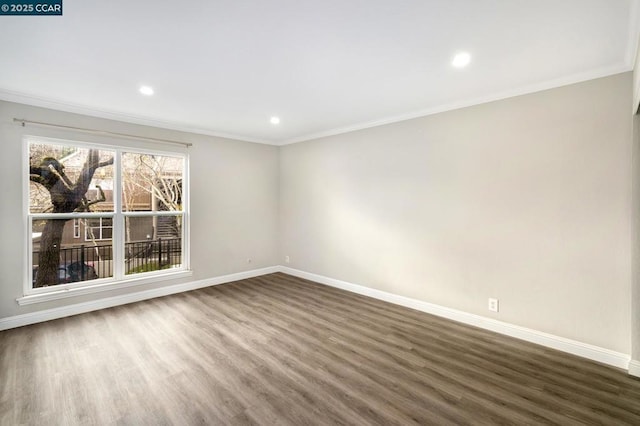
pixel 66 197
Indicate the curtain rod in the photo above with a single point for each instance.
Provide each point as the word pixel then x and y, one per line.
pixel 99 132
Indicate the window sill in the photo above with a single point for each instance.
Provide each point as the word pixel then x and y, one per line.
pixel 90 289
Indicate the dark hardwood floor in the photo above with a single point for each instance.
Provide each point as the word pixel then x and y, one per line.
pixel 278 350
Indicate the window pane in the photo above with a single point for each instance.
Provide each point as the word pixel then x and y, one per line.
pixel 151 182
pixel 107 233
pixel 57 258
pixel 152 243
pixel 65 179
pixel 97 229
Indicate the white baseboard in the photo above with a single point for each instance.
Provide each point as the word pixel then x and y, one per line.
pixel 80 308
pixel 584 350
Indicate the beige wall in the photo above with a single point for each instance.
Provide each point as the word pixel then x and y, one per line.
pixel 635 225
pixel 234 202
pixel 526 199
pixel 635 233
pixel 636 80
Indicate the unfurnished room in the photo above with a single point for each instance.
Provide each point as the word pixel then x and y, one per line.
pixel 309 213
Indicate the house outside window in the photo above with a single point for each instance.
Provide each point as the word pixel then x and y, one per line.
pixel 128 205
pixel 98 229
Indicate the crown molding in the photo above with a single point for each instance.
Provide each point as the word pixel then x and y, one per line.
pixel 525 90
pixel 128 118
pixel 56 104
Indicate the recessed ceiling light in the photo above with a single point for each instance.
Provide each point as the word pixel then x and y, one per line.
pixel 275 120
pixel 146 90
pixel 461 60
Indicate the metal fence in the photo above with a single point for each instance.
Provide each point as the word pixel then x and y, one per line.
pixel 144 256
pixel 140 256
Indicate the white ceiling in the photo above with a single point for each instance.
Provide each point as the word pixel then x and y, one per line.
pixel 224 67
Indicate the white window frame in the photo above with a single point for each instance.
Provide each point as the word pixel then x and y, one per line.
pixel 100 227
pixel 76 228
pixel 119 279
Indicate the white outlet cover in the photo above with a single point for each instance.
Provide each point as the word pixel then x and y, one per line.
pixel 493 305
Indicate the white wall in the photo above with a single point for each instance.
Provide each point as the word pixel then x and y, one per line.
pixel 635 233
pixel 635 225
pixel 234 202
pixel 526 199
pixel 636 68
pixel 634 367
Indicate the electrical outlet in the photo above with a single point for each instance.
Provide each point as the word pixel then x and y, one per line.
pixel 286 259
pixel 249 260
pixel 493 305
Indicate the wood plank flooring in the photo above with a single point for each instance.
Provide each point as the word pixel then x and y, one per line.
pixel 279 350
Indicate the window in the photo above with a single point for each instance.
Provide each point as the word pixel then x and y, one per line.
pixel 98 229
pixel 129 206
pixel 76 228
